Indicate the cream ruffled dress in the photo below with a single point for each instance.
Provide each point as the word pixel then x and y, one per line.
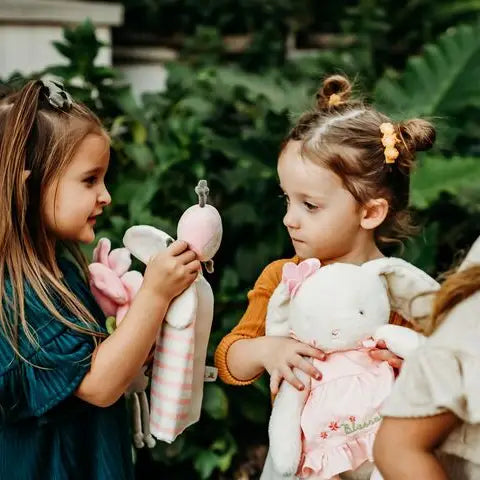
pixel 444 375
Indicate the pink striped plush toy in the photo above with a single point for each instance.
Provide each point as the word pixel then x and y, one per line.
pixel 179 369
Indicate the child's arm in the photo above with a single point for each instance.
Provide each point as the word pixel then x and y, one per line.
pixel 404 446
pixel 246 352
pixel 118 359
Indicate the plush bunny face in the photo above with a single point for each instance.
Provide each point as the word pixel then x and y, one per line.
pixel 339 306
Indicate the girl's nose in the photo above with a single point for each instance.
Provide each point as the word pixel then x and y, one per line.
pixel 290 220
pixel 105 198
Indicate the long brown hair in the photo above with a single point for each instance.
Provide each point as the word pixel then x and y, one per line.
pixel 457 287
pixel 344 136
pixel 41 139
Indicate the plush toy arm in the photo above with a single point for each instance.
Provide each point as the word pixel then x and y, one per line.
pixel 183 309
pixel 277 312
pixel 400 340
pixel 284 428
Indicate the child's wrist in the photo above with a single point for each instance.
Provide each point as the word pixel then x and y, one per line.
pixel 262 347
pixel 154 295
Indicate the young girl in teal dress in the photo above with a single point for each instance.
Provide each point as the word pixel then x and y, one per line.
pixel 62 411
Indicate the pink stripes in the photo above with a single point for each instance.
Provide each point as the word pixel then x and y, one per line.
pixel 171 388
pixel 156 429
pixel 173 368
pixel 173 353
pixel 176 336
pixel 168 399
pixel 162 413
pixel 184 386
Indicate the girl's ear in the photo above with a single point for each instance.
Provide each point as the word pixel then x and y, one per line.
pixel 374 213
pixel 26 174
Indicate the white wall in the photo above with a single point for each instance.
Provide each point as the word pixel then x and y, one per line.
pixel 28 27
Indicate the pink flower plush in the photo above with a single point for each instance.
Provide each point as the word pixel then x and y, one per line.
pixel 112 285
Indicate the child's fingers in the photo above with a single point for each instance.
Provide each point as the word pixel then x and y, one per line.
pixel 306 367
pixel 381 344
pixel 386 356
pixel 186 257
pixel 177 247
pixel 275 380
pixel 193 267
pixel 380 354
pixel 396 362
pixel 309 351
pixel 292 379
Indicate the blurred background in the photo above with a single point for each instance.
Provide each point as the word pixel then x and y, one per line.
pixel 192 89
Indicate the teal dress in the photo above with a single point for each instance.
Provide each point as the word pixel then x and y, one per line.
pixel 46 432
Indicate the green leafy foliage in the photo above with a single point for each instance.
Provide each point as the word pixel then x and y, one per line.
pixel 457 176
pixel 439 84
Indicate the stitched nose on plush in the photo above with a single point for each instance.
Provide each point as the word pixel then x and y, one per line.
pixel 335 332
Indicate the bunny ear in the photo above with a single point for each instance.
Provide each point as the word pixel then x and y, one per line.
pixel 100 254
pixel 119 260
pixel 132 281
pixel 144 241
pixel 473 256
pixel 410 290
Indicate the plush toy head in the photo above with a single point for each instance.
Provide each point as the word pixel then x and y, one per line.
pixel 200 226
pixel 338 306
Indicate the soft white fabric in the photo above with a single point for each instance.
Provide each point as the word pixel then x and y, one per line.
pixel 444 375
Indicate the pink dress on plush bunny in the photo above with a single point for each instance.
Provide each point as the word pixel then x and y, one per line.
pixel 179 369
pixel 329 428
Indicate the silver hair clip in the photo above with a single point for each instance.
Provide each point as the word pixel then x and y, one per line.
pixel 56 95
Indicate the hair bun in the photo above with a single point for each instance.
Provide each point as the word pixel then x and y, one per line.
pixel 335 91
pixel 418 134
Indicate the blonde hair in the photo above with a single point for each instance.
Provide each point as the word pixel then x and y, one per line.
pixel 344 136
pixel 39 138
pixel 457 287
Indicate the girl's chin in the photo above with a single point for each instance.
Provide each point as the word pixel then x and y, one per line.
pixel 302 250
pixel 87 236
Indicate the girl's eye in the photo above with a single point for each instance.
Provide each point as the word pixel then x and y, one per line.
pixel 91 180
pixel 285 198
pixel 310 206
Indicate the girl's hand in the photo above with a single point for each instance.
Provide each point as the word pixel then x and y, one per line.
pixel 281 354
pixel 171 271
pixel 381 353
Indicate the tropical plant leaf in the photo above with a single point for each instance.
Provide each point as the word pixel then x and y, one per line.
pixel 457 176
pixel 440 82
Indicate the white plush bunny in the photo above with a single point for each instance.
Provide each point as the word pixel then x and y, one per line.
pixel 342 309
pixel 179 369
